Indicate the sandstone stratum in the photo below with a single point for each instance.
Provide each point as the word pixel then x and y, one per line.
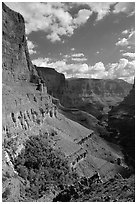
pixel 51 148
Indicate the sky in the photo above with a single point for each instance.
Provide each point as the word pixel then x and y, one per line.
pixel 79 39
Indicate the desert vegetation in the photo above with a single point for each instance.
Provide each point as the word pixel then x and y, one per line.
pixel 42 167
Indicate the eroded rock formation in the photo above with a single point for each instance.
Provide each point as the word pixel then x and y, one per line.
pixel 16 63
pixel 54 81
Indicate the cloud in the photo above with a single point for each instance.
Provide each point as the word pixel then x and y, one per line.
pixel 130 40
pixel 51 18
pixel 78 59
pixel 122 42
pixel 124 69
pixel 41 62
pixel 129 54
pixel 102 9
pixel 56 20
pixel 31 47
pixel 77 55
pixel 72 49
pixel 82 16
pixel 125 32
pixel 125 7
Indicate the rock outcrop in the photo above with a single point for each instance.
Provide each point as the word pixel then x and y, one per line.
pixel 16 63
pixel 54 80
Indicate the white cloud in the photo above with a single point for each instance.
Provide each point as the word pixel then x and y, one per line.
pixel 125 7
pixel 82 16
pixel 72 49
pixel 101 8
pixel 78 55
pixel 31 47
pixel 122 42
pixel 125 32
pixel 48 17
pixel 129 54
pixel 79 59
pixel 124 69
pixel 56 20
pixel 99 66
pixel 41 62
pixel 130 40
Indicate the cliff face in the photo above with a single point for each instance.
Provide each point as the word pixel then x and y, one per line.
pixel 54 81
pixel 107 92
pixel 16 64
pixel 122 120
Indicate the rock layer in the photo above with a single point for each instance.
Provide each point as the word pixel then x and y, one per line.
pixel 16 63
pixel 95 96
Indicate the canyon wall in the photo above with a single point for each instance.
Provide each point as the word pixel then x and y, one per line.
pixel 121 121
pixel 16 63
pixel 54 81
pixel 95 96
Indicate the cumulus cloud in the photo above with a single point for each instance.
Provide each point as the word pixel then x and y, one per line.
pixel 101 8
pixel 130 40
pixel 78 55
pixel 56 20
pixel 125 32
pixel 124 69
pixel 78 59
pixel 82 16
pixel 129 54
pixel 72 49
pixel 122 42
pixel 125 7
pixel 31 47
pixel 48 17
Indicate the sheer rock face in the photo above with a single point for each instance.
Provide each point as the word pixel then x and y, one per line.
pixel 54 80
pixel 16 62
pixel 122 119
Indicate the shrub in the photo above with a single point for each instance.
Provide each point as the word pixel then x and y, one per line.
pixel 42 166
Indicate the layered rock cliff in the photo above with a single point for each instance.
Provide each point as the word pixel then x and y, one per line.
pixel 16 63
pixel 95 96
pixel 54 81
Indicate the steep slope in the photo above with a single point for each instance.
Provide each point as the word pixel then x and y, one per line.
pixel 122 120
pixel 16 63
